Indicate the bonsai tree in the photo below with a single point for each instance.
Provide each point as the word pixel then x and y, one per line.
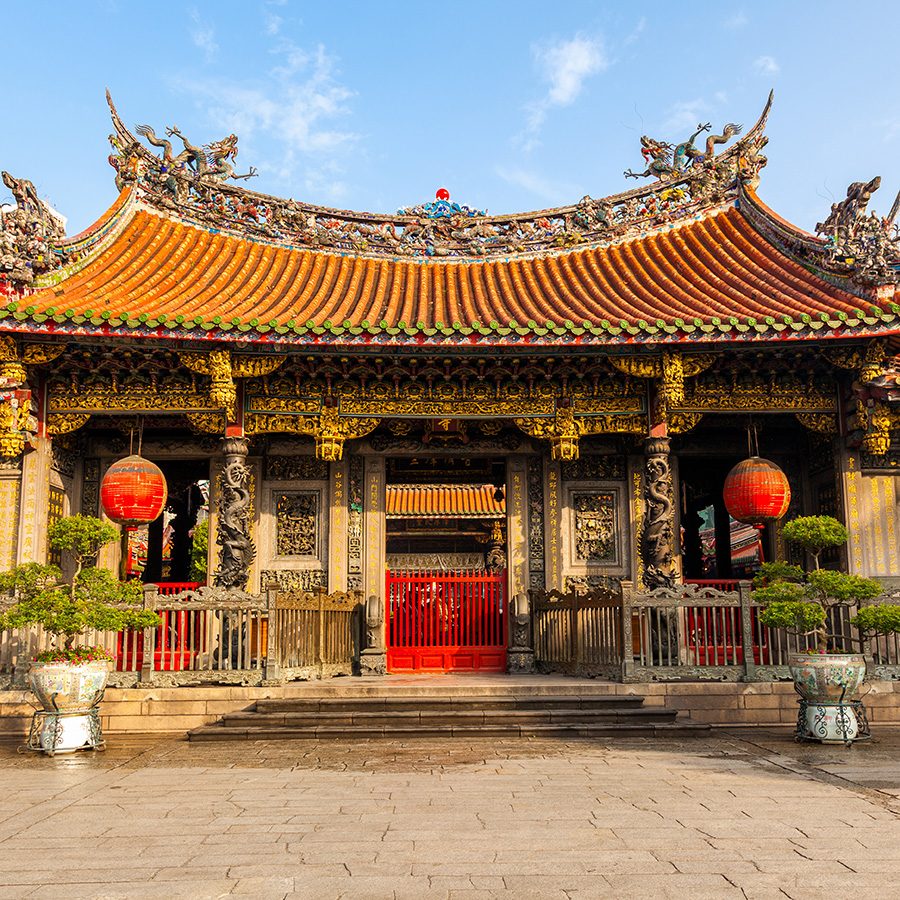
pixel 799 601
pixel 93 599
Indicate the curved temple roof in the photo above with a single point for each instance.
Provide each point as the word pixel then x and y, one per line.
pixel 694 257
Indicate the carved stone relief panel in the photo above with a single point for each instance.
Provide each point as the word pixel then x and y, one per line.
pixel 596 527
pixel 595 531
pixel 296 523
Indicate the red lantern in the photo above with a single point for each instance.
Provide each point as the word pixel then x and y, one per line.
pixel 756 492
pixel 442 194
pixel 133 491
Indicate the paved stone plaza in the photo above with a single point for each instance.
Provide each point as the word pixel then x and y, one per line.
pixel 742 814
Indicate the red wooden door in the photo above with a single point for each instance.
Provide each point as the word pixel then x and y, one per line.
pixel 446 621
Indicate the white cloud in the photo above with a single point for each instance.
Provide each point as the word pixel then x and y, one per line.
pixel 891 127
pixel 535 183
pixel 565 65
pixel 272 23
pixel 736 20
pixel 295 104
pixel 685 115
pixel 637 31
pixel 766 65
pixel 203 35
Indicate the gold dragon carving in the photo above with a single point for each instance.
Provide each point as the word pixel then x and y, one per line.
pixel 822 423
pixel 14 412
pixel 329 429
pixel 869 363
pixel 564 429
pixel 65 423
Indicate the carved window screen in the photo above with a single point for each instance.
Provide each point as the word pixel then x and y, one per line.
pixel 297 523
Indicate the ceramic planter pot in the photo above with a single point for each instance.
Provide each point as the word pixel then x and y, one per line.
pixel 828 681
pixel 70 694
pixel 64 687
pixel 828 677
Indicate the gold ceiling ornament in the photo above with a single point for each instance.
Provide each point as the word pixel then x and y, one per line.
pixel 216 364
pixel 65 423
pixel 671 369
pixel 14 412
pixel 11 367
pixel 873 363
pixel 251 366
pixel 821 423
pixel 562 431
pixel 207 422
pixel 39 354
pixel 877 421
pixel 329 429
pixel 868 362
pixel 679 423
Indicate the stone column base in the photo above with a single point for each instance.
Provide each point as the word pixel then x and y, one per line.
pixel 520 661
pixel 373 662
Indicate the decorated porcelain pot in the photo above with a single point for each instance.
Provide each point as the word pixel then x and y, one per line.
pixel 63 686
pixel 828 678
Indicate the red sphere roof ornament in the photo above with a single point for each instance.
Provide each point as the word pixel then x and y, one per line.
pixel 133 491
pixel 756 492
pixel 442 194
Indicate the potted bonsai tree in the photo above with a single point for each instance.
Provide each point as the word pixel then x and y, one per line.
pixel 69 679
pixel 799 602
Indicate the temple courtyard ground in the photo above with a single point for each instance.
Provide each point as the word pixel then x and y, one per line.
pixel 742 813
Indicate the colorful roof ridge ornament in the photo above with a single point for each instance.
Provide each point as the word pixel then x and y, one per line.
pixel 441 208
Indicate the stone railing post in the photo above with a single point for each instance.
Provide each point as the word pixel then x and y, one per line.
pixel 747 631
pixel 520 656
pixel 626 592
pixel 151 595
pixel 272 671
pixel 373 660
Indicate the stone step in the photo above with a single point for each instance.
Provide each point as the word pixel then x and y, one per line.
pixel 357 732
pixel 452 716
pixel 401 702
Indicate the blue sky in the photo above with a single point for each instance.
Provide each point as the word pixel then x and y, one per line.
pixel 510 105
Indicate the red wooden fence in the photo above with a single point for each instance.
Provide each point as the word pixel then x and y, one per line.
pixel 446 621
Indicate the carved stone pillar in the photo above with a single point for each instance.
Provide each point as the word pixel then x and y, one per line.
pixel 236 549
pixel 520 656
pixel 658 544
pixel 373 660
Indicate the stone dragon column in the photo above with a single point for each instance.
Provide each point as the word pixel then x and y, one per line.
pixel 236 548
pixel 658 539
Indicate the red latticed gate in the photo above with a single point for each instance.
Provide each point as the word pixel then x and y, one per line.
pixel 446 621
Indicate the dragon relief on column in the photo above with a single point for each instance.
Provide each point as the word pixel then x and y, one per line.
pixel 659 521
pixel 233 528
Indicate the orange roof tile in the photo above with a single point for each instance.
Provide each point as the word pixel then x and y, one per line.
pixel 162 273
pixel 444 501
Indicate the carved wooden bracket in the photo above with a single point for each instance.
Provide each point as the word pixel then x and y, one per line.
pixel 330 429
pixel 671 369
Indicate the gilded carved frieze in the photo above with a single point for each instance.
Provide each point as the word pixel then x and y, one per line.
pixel 754 392
pixel 171 395
pixel 65 423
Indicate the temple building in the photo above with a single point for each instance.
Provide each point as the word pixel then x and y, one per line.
pixel 355 401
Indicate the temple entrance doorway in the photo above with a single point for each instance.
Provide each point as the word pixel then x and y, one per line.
pixel 446 584
pixel 172 550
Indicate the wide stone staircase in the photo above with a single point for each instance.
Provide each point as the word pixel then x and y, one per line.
pixel 504 708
